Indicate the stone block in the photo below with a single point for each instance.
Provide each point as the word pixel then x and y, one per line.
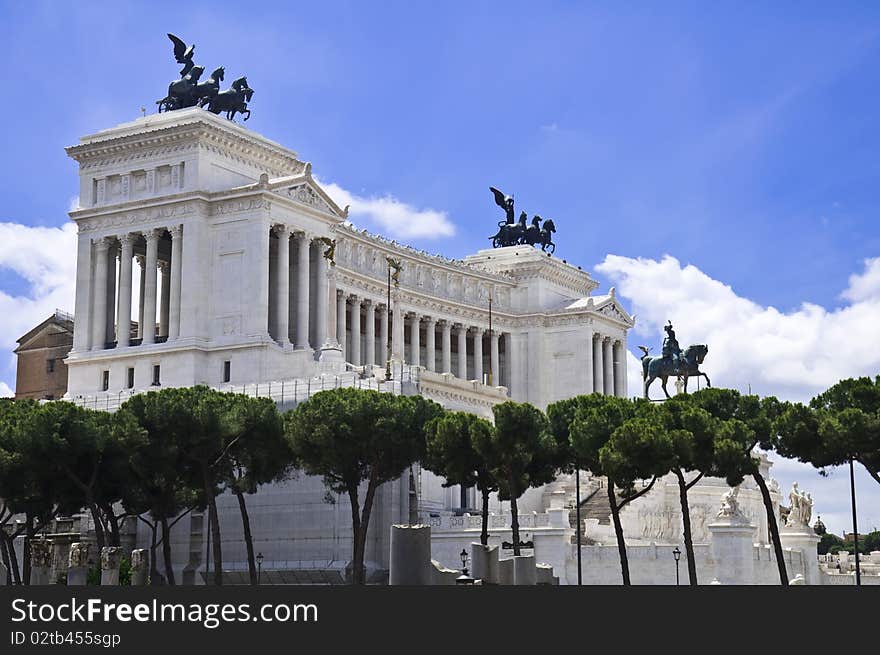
pixel 525 572
pixel 505 571
pixel 484 563
pixel 410 555
pixel 111 558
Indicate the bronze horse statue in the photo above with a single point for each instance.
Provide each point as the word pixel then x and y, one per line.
pixel 687 365
pixel 233 100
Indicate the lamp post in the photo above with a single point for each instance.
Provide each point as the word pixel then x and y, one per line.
pixel 259 567
pixel 490 341
pixel 677 555
pixel 852 488
pixel 464 578
pixel 577 502
pixel 388 331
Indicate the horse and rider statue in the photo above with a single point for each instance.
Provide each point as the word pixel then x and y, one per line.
pixel 518 233
pixel 191 91
pixel 673 362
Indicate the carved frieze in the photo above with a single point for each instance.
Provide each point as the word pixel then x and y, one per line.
pixel 135 218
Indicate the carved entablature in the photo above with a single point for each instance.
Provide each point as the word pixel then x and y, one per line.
pixel 240 205
pixel 124 221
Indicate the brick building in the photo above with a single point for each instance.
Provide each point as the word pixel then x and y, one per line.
pixel 41 371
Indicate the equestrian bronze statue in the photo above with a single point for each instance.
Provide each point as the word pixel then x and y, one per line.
pixel 673 362
pixel 512 233
pixel 191 91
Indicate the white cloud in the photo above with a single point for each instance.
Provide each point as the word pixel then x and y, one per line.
pixel 391 216
pixel 792 355
pixel 6 391
pixel 45 258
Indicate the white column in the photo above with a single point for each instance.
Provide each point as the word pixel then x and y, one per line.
pixel 152 238
pixel 99 305
pixel 383 334
pixel 430 345
pixel 608 361
pixel 174 308
pixel 615 351
pixel 478 354
pixel 495 360
pixel 370 334
pixel 142 281
pixel 623 366
pixel 588 363
pixel 414 338
pixel 322 305
pixel 165 298
pixel 340 321
pixel 396 328
pixel 112 252
pixel 462 352
pixel 123 310
pixel 302 292
pixel 355 330
pixel 82 332
pixel 447 347
pixel 598 368
pixel 282 285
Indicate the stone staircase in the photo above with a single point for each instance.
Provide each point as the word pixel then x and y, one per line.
pixel 594 506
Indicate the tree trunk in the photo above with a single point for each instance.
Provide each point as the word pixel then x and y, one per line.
pixel 215 529
pixel 357 556
pixel 14 570
pixel 366 510
pixel 686 524
pixel 5 553
pixel 115 538
pixel 618 530
pixel 484 533
pixel 100 538
pixel 773 527
pixel 26 551
pixel 166 552
pixel 248 538
pixel 514 525
pixel 155 578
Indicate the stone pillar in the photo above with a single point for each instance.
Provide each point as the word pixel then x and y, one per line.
pixel 41 561
pixel 732 542
pixel 414 340
pixel 123 310
pixel 478 354
pixel 623 370
pixel 282 286
pixel 396 328
pixel 322 305
pixel 447 347
pixel 484 563
pixel 174 308
pixel 410 555
pixel 340 321
pixel 99 305
pixel 462 352
pixel 302 292
pixel 525 570
pixel 82 331
pixel 588 362
pixel 383 334
pixel 370 334
pixel 78 565
pixel 140 558
pixel 598 367
pixel 494 360
pixel 802 537
pixel 142 282
pixel 607 367
pixel 112 253
pixel 355 331
pixel 165 298
pixel 149 332
pixel 111 557
pixel 430 343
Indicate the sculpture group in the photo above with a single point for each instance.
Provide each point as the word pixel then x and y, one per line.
pixel 517 233
pixel 673 362
pixel 801 507
pixel 190 91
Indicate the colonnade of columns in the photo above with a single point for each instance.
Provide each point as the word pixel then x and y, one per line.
pixel 609 365
pixel 356 333
pixel 109 320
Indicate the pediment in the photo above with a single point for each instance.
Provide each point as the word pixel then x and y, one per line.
pixel 305 191
pixel 613 310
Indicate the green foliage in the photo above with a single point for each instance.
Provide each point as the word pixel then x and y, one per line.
pixel 638 449
pixel 830 543
pixel 523 449
pixel 458 449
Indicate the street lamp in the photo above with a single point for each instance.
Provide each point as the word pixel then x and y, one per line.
pixel 677 555
pixel 464 578
pixel 259 566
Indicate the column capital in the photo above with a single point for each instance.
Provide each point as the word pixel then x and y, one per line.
pixel 141 260
pixel 164 266
pixel 281 230
pixel 127 239
pixel 476 329
pixel 430 320
pixel 340 294
pixel 354 299
pixel 151 235
pixel 381 306
pixel 102 244
pixel 445 323
pixel 369 304
pixel 175 231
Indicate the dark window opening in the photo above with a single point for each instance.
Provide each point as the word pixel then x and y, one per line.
pixel 130 382
pixel 227 370
pixel 105 380
pixel 155 375
pixel 50 366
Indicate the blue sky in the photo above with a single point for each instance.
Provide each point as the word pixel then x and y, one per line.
pixel 739 140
